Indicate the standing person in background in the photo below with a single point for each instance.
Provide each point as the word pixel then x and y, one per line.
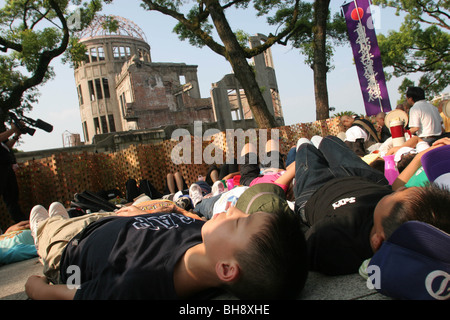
pixel 9 188
pixel 424 118
pixel 382 129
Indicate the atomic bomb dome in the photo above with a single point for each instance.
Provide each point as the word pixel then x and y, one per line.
pixel 120 89
pixel 125 28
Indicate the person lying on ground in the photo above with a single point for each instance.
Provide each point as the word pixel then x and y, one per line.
pixel 348 208
pixel 168 255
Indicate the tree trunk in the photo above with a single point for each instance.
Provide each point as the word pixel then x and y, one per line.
pixel 320 59
pixel 242 70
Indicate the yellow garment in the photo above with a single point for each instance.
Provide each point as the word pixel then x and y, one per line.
pixel 370 158
pixel 446 122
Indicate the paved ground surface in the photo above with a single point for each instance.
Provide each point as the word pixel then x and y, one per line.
pixel 318 287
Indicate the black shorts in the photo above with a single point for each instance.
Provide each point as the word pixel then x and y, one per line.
pixel 249 169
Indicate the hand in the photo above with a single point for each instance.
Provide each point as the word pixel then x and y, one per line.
pixel 39 288
pixel 443 141
pixel 35 285
pixel 19 226
pixel 16 129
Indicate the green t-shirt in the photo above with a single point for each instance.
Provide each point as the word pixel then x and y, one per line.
pixel 419 179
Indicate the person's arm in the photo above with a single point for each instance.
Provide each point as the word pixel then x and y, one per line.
pixel 231 175
pixel 413 130
pixel 411 169
pixel 38 288
pixel 287 177
pixel 9 132
pixel 132 211
pixel 19 226
pixel 11 142
pixel 412 143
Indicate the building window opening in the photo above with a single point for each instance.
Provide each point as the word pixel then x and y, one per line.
pixel 112 125
pixel 94 55
pixel 121 52
pixel 85 131
pixel 80 95
pixel 98 88
pixel 91 90
pixel 96 126
pixel 106 88
pixel 116 54
pixel 104 124
pixel 101 54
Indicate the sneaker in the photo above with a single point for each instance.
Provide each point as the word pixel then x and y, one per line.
pixel 184 203
pixel 195 193
pixel 177 195
pixel 37 215
pixel 217 188
pixel 57 209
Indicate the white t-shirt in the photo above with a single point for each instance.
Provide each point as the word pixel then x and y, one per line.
pixel 426 117
pixel 221 203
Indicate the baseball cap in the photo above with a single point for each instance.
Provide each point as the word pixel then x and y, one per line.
pixel 413 263
pixel 436 164
pixel 266 197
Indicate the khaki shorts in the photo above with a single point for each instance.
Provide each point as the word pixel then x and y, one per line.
pixel 53 235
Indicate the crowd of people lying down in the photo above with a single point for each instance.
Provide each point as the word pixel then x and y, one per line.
pixel 253 228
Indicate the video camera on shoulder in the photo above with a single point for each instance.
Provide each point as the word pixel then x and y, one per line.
pixel 34 123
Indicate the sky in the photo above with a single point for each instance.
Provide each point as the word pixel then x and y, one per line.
pixel 58 102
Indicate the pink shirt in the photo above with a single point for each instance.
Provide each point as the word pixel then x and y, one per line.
pixel 270 178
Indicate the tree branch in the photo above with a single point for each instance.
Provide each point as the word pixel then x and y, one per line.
pixel 192 26
pixel 272 39
pixel 14 100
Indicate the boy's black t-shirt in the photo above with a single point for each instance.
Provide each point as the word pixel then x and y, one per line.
pixel 129 257
pixel 340 216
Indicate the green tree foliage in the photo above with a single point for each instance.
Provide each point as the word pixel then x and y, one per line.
pixel 421 46
pixel 32 34
pixel 319 32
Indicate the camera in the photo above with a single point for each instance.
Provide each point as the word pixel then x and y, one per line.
pixel 34 123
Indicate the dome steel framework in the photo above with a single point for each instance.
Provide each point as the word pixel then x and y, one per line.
pixel 125 28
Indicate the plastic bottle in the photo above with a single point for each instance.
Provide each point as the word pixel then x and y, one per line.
pixel 230 184
pixel 390 171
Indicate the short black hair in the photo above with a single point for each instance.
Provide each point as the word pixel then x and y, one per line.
pixel 416 93
pixel 430 205
pixel 275 266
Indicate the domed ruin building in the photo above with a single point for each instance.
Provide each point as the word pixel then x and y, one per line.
pixel 120 89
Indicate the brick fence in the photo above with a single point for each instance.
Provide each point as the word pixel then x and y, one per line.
pixel 59 177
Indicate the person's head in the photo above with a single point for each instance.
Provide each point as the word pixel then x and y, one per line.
pixel 380 118
pixel 378 164
pixel 414 94
pixel 347 121
pixel 257 256
pixel 427 204
pixel 405 160
pixel 404 106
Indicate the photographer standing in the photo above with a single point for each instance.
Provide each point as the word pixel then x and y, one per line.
pixel 8 183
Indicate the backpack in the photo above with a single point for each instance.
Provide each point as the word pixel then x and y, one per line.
pixel 413 264
pixel 88 200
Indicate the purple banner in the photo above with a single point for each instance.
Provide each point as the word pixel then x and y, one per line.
pixel 367 56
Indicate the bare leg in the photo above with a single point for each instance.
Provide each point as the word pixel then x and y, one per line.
pixel 171 183
pixel 179 181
